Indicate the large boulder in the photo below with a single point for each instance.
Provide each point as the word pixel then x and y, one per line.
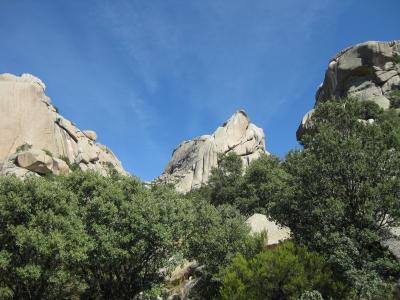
pixel 275 233
pixel 36 161
pixel 393 243
pixel 90 134
pixel 193 160
pixel 368 71
pixel 28 117
pixel 40 162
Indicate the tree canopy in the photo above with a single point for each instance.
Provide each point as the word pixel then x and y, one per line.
pixel 282 273
pixel 86 236
pixel 345 188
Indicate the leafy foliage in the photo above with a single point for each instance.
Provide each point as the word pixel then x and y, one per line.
pixel 345 191
pixel 218 233
pixel 254 190
pixel 283 273
pixel 264 185
pixel 395 99
pixel 42 240
pixel 396 59
pixel 135 232
pixel 224 181
pixel 93 237
pixel 48 152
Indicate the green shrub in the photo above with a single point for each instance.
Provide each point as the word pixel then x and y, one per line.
pixel 23 147
pixel 345 186
pixel 87 236
pixel 311 295
pixel 396 59
pixel 394 98
pixel 254 190
pixel 43 243
pixel 286 272
pixel 135 231
pixel 216 235
pixel 48 152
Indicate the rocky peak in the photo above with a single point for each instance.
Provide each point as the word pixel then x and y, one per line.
pixel 36 139
pixel 369 71
pixel 193 160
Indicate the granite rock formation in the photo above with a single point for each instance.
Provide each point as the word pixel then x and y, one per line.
pixel 369 71
pixel 36 139
pixel 275 233
pixel 193 160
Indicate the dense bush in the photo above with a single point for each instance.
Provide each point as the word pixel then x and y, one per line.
pixel 93 237
pixel 217 235
pixel 394 98
pixel 265 183
pixel 225 181
pixel 134 232
pixel 43 242
pixel 254 190
pixel 345 192
pixel 286 272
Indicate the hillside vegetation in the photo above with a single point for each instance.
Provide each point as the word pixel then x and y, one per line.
pixel 86 236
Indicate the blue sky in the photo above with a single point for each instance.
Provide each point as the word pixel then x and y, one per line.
pixel 147 74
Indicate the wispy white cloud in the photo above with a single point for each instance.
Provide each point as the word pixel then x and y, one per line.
pixel 140 110
pixel 149 37
pixel 213 57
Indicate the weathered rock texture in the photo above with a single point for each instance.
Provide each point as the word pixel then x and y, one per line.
pixel 31 126
pixel 393 243
pixel 275 233
pixel 369 71
pixel 193 160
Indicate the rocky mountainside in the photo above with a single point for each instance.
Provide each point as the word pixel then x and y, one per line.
pixel 36 139
pixel 370 71
pixel 192 161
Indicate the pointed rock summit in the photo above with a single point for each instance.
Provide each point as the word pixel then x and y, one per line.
pixel 193 160
pixel 36 139
pixel 369 71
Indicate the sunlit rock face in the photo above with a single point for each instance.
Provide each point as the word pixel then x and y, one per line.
pixel 368 71
pixel 275 233
pixel 193 160
pixel 30 123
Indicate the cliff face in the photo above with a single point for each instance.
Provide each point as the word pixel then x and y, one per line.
pixel 369 71
pixel 193 160
pixel 35 138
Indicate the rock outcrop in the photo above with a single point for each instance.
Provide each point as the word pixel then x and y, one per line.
pixel 36 139
pixel 193 160
pixel 275 233
pixel 183 279
pixel 369 71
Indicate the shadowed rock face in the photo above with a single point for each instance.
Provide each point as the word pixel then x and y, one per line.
pixel 369 71
pixel 28 120
pixel 192 160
